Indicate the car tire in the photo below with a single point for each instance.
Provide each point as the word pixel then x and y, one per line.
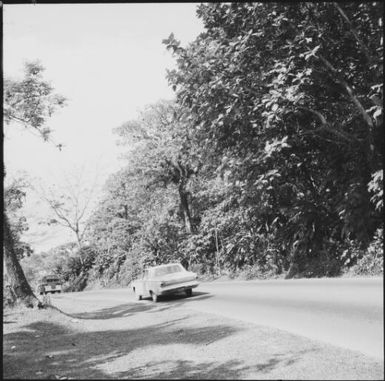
pixel 137 295
pixel 154 297
pixel 189 292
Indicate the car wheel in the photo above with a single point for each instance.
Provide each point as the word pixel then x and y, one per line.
pixel 189 292
pixel 137 295
pixel 154 296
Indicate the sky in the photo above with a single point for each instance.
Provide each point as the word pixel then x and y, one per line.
pixel 108 60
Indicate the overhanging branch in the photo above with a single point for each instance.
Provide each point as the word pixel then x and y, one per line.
pixel 326 127
pixel 350 92
pixel 354 33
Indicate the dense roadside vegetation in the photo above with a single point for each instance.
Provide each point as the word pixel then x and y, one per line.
pixel 269 162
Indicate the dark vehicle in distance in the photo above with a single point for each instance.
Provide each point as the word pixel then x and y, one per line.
pixel 49 283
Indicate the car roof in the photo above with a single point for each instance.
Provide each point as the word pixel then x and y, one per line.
pixel 50 277
pixel 165 265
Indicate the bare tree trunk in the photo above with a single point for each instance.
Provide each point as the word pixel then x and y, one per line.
pixel 80 250
pixel 18 282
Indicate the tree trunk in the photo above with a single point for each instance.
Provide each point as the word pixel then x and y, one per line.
pixel 17 280
pixel 217 252
pixel 295 258
pixel 79 242
pixel 293 271
pixel 183 194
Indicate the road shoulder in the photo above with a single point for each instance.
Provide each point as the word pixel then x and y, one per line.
pixel 144 340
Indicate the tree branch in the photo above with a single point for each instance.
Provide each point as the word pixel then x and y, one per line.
pixel 350 92
pixel 62 217
pixel 26 124
pixel 317 113
pixel 326 127
pixel 354 33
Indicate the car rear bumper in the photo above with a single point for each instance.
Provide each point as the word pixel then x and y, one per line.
pixel 177 288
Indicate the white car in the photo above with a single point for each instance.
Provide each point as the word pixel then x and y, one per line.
pixel 164 279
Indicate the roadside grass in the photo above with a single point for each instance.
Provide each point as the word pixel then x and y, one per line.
pixel 48 344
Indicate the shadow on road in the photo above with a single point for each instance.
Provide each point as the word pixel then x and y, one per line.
pixel 181 297
pixel 124 310
pixel 182 369
pixel 57 350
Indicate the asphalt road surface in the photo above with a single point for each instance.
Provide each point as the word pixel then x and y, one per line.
pixel 344 312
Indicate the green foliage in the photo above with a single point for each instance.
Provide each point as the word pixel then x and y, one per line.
pixel 376 187
pixel 132 266
pixel 283 95
pixel 370 261
pixel 14 196
pixel 31 101
pixel 255 272
pixel 147 208
pixel 269 163
pixel 45 263
pixel 69 262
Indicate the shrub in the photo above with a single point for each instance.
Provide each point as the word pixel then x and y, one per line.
pixel 131 267
pixel 8 296
pixel 371 262
pixel 249 272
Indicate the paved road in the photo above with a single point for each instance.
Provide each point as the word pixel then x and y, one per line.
pixel 343 312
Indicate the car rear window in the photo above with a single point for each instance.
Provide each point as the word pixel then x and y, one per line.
pixel 51 280
pixel 168 270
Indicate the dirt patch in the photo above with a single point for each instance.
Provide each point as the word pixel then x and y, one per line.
pixel 162 341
